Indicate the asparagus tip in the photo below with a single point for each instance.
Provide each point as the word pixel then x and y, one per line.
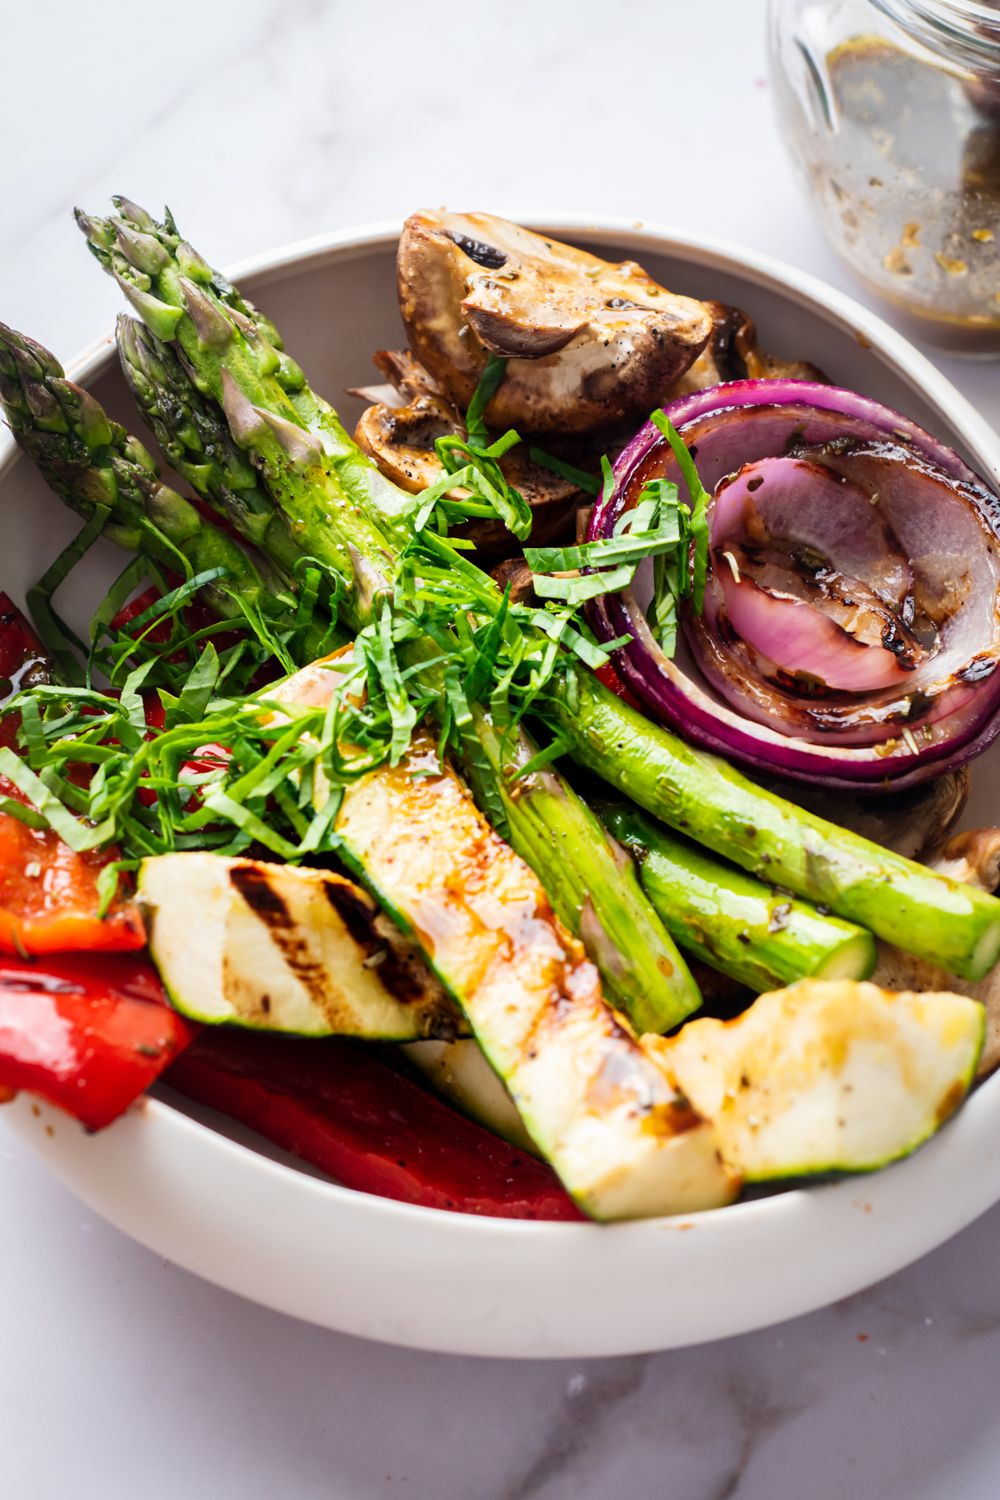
pixel 32 360
pixel 133 212
pixel 193 265
pixel 368 582
pixel 97 231
pixel 302 447
pixel 212 326
pixel 245 422
pixel 141 250
pixel 90 420
pixel 160 317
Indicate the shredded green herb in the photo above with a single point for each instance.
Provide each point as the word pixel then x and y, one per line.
pixel 590 483
pixel 472 464
pixel 698 507
pixel 661 527
pixel 60 642
pixel 489 383
pixel 226 767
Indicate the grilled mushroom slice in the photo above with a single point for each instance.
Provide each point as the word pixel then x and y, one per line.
pixel 399 431
pixel 514 573
pixel 400 438
pixel 973 856
pixel 406 381
pixel 734 353
pixel 589 344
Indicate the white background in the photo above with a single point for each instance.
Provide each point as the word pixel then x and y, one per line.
pixel 259 123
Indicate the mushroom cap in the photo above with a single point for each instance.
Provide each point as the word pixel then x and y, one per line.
pixel 399 431
pixel 514 573
pixel 589 344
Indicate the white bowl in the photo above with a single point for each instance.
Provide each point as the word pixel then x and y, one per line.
pixel 218 1202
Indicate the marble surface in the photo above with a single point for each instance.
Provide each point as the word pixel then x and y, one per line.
pixel 122 1375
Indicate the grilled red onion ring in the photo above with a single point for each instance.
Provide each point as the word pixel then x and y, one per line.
pixel 851 630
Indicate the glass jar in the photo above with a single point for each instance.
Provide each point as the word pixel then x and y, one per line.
pixel 891 110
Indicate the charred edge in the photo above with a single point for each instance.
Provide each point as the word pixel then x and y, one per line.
pixel 261 897
pixel 979 668
pixel 918 705
pixel 356 912
pixel 396 971
pixel 265 902
pixel 723 343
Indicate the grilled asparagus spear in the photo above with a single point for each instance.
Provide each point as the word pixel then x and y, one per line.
pixel 195 439
pixel 701 796
pixel 92 462
pixel 732 921
pixel 644 972
pixel 334 499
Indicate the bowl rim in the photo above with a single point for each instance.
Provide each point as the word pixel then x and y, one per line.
pixel 967 1135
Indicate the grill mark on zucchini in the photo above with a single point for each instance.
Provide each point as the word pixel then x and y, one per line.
pixel 400 968
pixel 359 915
pixel 252 883
pixel 401 972
pixel 264 901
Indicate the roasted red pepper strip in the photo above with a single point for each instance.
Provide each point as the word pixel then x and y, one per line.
pixel 337 1106
pixel 49 899
pixel 88 1033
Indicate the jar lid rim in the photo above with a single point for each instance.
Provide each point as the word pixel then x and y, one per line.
pixel 969 29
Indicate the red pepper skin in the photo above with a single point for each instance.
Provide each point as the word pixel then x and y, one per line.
pixel 89 1033
pixel 22 660
pixel 610 678
pixel 158 632
pixel 20 648
pixel 335 1105
pixel 54 910
pixel 197 614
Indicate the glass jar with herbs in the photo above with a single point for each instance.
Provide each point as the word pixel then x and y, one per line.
pixel 891 110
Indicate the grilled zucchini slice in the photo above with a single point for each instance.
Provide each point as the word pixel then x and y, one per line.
pixel 595 1103
pixel 286 949
pixel 827 1075
pixel 460 1072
